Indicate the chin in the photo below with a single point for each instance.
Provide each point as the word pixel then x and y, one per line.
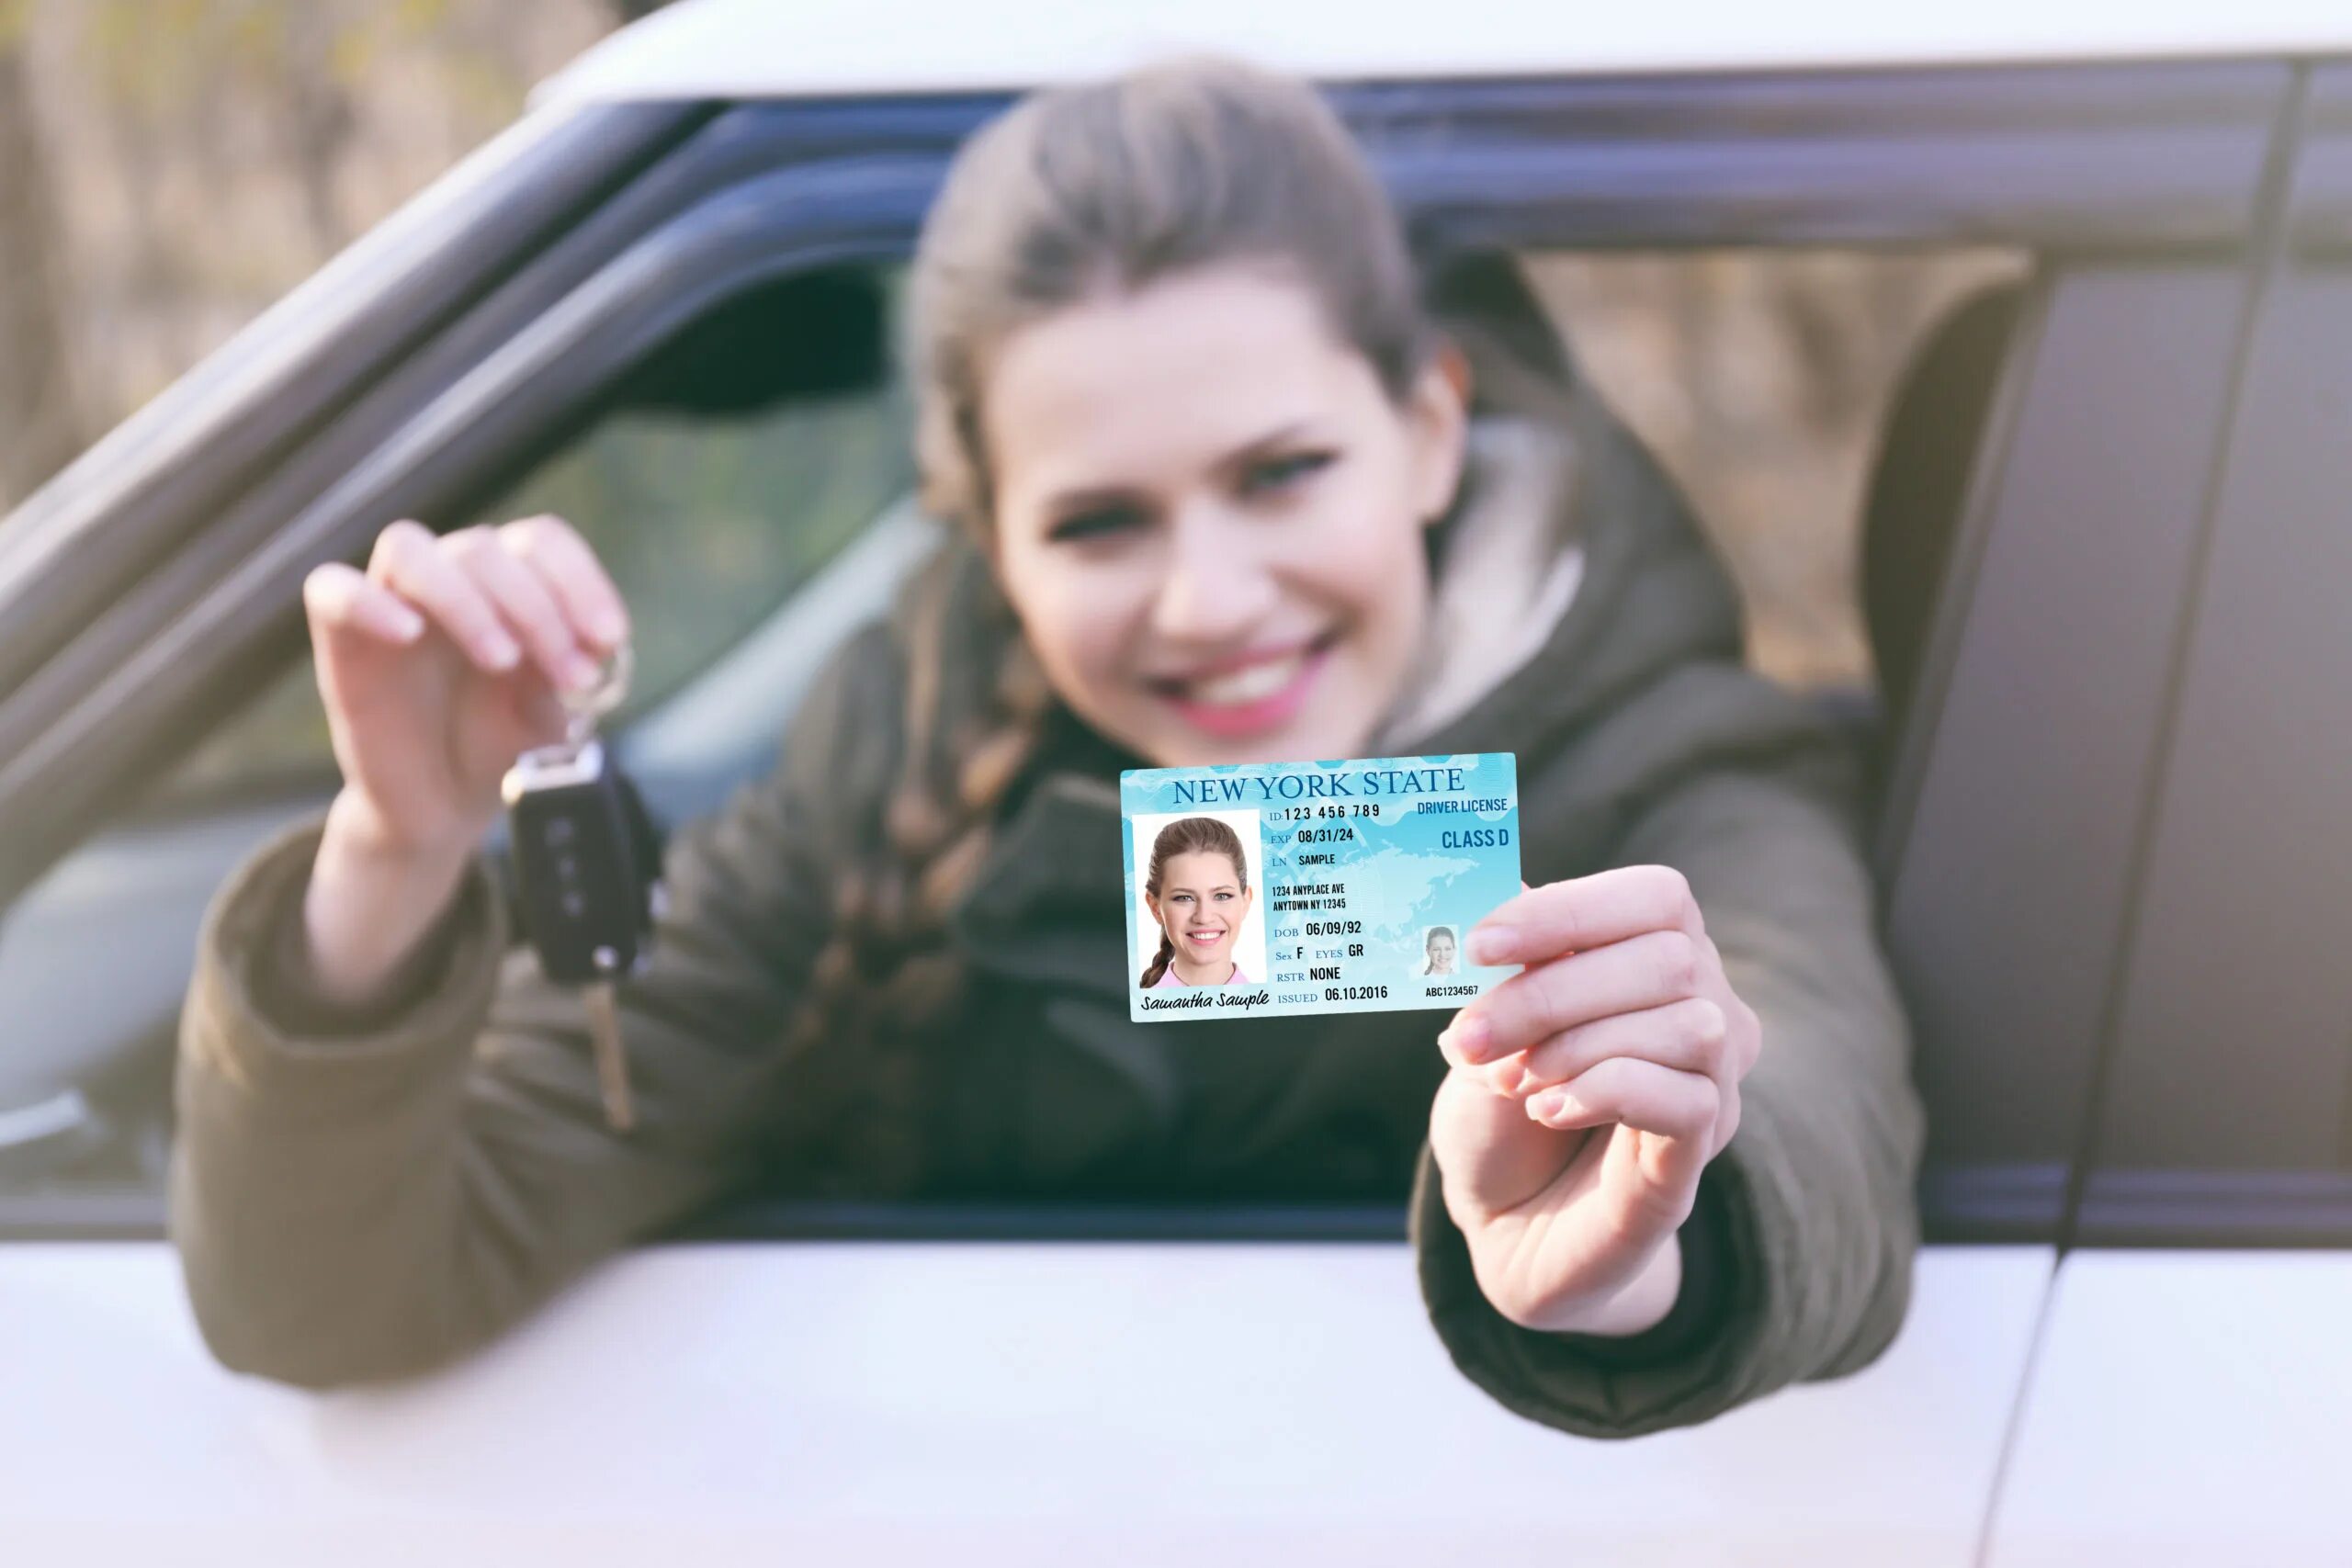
pixel 1190 749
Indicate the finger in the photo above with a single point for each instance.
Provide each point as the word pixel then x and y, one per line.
pixel 579 580
pixel 1689 1036
pixel 1492 1157
pixel 408 559
pixel 340 596
pixel 527 605
pixel 1587 912
pixel 1644 1096
pixel 1642 972
pixel 1678 1110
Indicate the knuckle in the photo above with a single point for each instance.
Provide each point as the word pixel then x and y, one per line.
pixel 1710 1029
pixel 1677 904
pixel 532 538
pixel 1678 962
pixel 399 541
pixel 1727 1119
pixel 1705 1111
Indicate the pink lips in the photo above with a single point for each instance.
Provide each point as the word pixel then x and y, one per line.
pixel 1232 721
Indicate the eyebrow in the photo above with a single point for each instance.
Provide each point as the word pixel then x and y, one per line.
pixel 1089 498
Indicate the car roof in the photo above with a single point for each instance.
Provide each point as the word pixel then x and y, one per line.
pixel 795 48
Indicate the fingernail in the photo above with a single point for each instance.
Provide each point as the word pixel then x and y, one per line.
pixel 609 628
pixel 407 624
pixel 501 651
pixel 1547 1105
pixel 580 672
pixel 1508 1078
pixel 1493 945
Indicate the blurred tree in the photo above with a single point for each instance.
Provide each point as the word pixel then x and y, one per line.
pixel 40 427
pixel 184 163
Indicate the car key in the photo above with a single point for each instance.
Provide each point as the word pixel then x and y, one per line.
pixel 586 862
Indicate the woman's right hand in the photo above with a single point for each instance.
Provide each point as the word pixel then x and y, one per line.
pixel 442 662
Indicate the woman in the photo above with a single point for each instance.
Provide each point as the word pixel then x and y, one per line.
pixel 1437 951
pixel 1224 498
pixel 1197 889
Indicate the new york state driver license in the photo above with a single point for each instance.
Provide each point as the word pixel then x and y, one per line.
pixel 1265 889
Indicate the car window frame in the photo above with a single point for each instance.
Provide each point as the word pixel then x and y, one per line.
pixel 2226 1116
pixel 1477 163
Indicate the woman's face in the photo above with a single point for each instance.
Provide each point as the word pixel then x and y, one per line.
pixel 1201 905
pixel 1209 514
pixel 1440 950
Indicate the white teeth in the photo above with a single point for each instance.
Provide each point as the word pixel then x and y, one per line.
pixel 1253 684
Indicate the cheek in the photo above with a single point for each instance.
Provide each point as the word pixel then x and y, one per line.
pixel 1077 618
pixel 1369 552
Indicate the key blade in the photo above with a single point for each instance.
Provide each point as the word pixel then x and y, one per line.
pixel 612 1065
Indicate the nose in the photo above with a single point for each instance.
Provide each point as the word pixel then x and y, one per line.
pixel 1217 585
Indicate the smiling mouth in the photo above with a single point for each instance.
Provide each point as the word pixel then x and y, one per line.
pixel 1253 684
pixel 1258 694
pixel 1204 938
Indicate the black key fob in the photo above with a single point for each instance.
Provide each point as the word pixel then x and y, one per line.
pixel 587 857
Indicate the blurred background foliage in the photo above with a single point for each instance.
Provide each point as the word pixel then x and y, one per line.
pixel 170 167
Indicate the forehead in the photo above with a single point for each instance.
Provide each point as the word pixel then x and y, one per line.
pixel 1198 868
pixel 1130 388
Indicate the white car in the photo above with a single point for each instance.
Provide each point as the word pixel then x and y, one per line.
pixel 2105 552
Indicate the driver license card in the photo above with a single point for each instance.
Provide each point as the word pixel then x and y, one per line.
pixel 1315 887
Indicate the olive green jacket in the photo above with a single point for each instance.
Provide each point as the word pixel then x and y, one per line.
pixel 361 1199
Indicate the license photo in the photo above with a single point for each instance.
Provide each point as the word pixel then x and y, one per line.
pixel 1270 888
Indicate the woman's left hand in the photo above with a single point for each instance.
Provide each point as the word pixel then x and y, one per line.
pixel 1587 1095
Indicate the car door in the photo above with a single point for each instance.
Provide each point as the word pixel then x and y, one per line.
pixel 1158 1384
pixel 2189 1397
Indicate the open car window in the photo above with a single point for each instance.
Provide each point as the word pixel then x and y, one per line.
pixel 721 481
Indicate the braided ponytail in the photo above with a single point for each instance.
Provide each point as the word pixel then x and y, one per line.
pixel 1077 190
pixel 888 977
pixel 1159 962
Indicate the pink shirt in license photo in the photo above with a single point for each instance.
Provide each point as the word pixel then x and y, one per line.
pixel 1167 979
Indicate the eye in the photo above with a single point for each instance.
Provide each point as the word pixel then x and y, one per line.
pixel 1271 474
pixel 1095 523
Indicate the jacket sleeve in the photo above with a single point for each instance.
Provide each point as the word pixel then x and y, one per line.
pixel 361 1199
pixel 1811 1218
